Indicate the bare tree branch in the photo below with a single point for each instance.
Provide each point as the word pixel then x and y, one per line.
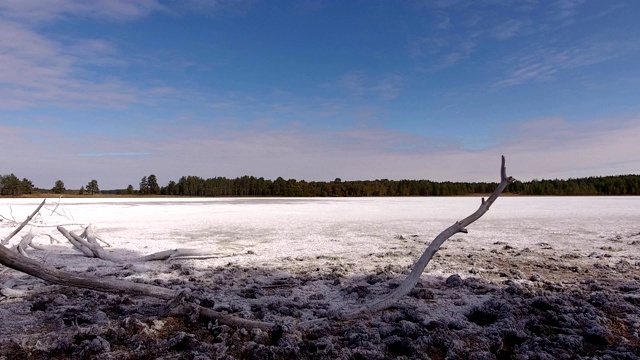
pixel 88 244
pixel 412 279
pixel 77 242
pixel 24 223
pixel 26 265
pixel 18 262
pixel 89 234
pixel 25 242
pixel 53 211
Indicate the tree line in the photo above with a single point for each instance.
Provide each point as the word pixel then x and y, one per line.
pixel 250 186
pixel 11 185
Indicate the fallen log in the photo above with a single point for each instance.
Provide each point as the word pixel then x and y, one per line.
pixel 87 243
pixel 19 262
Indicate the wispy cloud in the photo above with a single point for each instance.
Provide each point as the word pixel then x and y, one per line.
pixel 478 25
pixel 96 52
pixel 507 29
pixel 442 52
pixel 546 148
pixel 528 70
pixel 358 83
pixel 118 154
pixel 543 64
pixel 564 11
pixel 35 70
pixel 36 13
pixel 33 11
pixel 38 68
pixel 555 148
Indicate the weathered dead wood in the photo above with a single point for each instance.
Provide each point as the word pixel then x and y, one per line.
pixel 54 210
pixel 52 240
pixel 35 246
pixel 26 265
pixel 18 262
pixel 412 279
pixel 88 244
pixel 179 305
pixel 23 264
pixel 77 242
pixel 11 293
pixel 25 242
pixel 24 223
pixel 90 235
pixel 173 253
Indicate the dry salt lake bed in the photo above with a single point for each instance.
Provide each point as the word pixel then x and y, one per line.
pixel 535 278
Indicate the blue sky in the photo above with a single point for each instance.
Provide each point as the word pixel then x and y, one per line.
pixel 314 90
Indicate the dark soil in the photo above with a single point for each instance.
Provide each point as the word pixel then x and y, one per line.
pixel 545 310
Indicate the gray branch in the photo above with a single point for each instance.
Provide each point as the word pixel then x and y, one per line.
pixel 87 243
pixel 19 262
pixel 24 223
pixel 413 278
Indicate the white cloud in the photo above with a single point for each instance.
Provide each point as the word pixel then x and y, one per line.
pixel 40 68
pixel 549 148
pixel 545 63
pixel 385 87
pixel 565 10
pixel 528 71
pixel 553 148
pixel 35 11
pixel 37 71
pixel 507 29
pixel 443 51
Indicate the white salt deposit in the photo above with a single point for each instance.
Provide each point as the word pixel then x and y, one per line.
pixel 288 260
pixel 269 232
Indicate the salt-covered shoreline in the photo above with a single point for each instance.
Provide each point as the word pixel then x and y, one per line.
pixel 313 256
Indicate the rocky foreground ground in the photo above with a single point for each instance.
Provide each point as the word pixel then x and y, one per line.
pixel 500 302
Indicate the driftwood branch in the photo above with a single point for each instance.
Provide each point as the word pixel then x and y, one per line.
pixel 25 242
pixel 19 262
pixel 412 279
pixel 24 223
pixel 90 235
pixel 87 243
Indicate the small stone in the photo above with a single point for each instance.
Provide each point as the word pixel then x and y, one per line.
pixel 453 280
pixel 422 293
pixel 623 266
pixel 97 346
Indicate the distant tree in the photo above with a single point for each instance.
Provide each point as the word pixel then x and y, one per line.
pixel 152 184
pixel 129 189
pixel 252 186
pixel 144 186
pixel 92 187
pixel 27 186
pixel 81 191
pixel 172 188
pixel 58 188
pixel 12 186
